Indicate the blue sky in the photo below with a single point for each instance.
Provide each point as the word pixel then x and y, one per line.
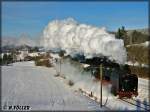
pixel 32 17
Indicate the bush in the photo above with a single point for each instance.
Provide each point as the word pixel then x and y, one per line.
pixel 62 76
pixel 70 83
pixel 57 75
pixel 43 62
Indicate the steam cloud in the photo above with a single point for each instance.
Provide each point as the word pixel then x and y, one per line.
pixel 84 39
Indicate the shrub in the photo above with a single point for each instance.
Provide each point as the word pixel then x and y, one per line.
pixel 62 76
pixel 43 62
pixel 57 75
pixel 70 83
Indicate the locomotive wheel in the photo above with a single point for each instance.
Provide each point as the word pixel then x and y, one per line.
pixel 120 97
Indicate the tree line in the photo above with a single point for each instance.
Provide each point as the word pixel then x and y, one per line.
pixel 6 59
pixel 136 37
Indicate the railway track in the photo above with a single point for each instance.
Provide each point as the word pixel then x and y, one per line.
pixel 138 104
pixel 92 97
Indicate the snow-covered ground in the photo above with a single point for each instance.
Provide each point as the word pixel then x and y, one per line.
pixel 28 85
pixel 136 64
pixel 24 64
pixel 24 84
pixel 143 89
pixel 144 44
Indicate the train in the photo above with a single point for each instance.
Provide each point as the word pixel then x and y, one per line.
pixel 124 83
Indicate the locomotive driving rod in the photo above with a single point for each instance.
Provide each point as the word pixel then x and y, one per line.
pixel 101 75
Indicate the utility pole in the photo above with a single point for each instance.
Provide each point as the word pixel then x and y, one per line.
pixel 101 75
pixel 60 67
pixel 61 55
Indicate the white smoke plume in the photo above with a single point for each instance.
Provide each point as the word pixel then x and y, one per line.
pixel 91 41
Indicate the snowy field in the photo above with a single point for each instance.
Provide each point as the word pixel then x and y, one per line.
pixel 25 84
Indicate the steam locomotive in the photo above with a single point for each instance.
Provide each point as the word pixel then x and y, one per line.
pixel 124 84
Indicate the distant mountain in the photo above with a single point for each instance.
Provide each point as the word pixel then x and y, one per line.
pixel 11 41
pixel 8 41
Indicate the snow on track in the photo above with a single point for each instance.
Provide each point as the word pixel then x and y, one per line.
pixel 143 90
pixel 27 85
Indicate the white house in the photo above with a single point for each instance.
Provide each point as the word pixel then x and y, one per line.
pixel 22 54
pixel 34 54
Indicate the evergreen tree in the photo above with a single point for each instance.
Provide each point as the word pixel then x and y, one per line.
pixel 61 53
pixel 1 60
pixel 122 34
pixel 5 58
pixel 10 58
pixel 118 34
pixel 138 37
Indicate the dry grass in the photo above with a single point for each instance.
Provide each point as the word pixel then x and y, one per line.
pixel 142 72
pixel 138 54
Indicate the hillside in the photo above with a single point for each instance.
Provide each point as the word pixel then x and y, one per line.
pixel 138 51
pixel 144 31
